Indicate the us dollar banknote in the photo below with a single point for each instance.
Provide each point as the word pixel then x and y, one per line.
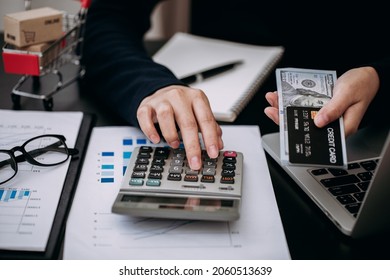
pixel 311 89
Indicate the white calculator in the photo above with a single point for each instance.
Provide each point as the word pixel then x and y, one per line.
pixel 158 183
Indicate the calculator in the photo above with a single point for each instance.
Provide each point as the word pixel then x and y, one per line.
pixel 158 183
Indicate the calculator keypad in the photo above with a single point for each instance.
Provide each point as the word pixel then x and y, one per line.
pixel 167 168
pixel 159 183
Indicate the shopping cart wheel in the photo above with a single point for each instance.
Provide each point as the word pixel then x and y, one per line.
pixel 48 104
pixel 15 101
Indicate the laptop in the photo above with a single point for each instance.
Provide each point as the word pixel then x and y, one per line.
pixel 356 200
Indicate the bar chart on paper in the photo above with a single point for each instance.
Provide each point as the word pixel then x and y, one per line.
pixel 28 202
pixel 19 211
pixel 106 159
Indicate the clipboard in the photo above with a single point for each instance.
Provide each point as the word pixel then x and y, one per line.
pixel 57 233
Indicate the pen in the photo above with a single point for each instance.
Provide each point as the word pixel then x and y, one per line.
pixel 207 73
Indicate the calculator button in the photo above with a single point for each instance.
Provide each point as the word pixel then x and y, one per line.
pixel 228 173
pixel 153 183
pixel 159 161
pixel 155 175
pixel 209 163
pixel 176 169
pixel 229 166
pixel 227 180
pixel 156 168
pixel 232 154
pixel 207 179
pixel 191 178
pixel 142 161
pixel 144 155
pixel 136 182
pixel 229 160
pixel 138 174
pixel 208 171
pixel 146 149
pixel 140 167
pixel 174 177
pixel 161 152
pixel 190 171
pixel 177 162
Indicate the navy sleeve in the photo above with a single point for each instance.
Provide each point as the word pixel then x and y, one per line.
pixel 119 72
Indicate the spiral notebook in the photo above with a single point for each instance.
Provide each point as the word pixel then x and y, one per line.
pixel 228 92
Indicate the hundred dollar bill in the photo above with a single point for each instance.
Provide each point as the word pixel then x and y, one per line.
pixel 301 93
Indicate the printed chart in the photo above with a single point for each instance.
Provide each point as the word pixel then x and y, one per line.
pixel 29 201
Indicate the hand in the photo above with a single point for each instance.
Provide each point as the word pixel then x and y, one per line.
pixel 187 107
pixel 352 94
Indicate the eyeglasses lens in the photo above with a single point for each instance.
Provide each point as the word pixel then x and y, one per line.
pixel 7 167
pixel 47 150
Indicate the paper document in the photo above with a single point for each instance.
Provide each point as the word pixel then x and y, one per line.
pixel 94 232
pixel 29 201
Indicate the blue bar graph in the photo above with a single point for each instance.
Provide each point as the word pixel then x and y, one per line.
pixel 107 169
pixel 13 195
pixel 107 166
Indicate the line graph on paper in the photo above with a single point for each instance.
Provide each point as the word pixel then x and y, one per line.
pixel 12 135
pixel 128 233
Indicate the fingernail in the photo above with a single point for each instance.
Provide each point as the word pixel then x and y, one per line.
pixel 154 138
pixel 212 151
pixel 174 144
pixel 195 163
pixel 320 120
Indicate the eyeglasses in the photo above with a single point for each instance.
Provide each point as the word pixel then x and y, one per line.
pixel 43 150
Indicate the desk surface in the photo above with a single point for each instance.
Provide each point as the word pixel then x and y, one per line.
pixel 310 235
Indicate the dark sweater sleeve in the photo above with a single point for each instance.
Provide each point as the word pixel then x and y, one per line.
pixel 119 72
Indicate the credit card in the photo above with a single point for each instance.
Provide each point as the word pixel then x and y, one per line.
pixel 310 145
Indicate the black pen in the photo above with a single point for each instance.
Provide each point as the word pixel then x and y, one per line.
pixel 207 73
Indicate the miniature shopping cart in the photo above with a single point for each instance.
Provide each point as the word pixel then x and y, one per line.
pixel 35 66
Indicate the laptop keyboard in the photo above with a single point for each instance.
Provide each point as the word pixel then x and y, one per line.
pixel 347 186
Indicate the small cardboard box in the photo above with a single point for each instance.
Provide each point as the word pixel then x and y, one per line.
pixel 46 56
pixel 33 26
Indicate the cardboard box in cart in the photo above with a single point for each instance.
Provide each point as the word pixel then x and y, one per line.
pixel 32 26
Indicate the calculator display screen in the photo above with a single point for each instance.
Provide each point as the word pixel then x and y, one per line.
pixel 185 203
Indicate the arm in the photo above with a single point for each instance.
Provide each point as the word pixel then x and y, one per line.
pixel 118 68
pixel 144 93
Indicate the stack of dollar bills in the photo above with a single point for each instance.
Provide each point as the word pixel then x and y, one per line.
pixel 301 94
